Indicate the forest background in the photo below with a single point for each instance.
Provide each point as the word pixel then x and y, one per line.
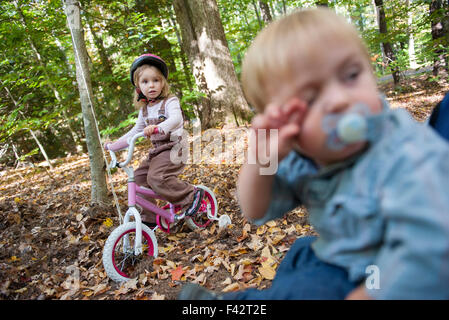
pixel 39 100
pixel 50 152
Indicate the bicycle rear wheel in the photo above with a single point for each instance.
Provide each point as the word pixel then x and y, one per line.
pixel 201 220
pixel 119 260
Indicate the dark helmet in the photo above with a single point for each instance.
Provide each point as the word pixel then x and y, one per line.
pixel 152 60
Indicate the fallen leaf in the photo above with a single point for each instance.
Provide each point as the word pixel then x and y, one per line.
pixel 261 230
pixel 267 272
pixel 108 222
pixel 245 231
pixel 100 288
pixel 177 273
pixel 201 279
pixel 156 296
pixel 232 287
pixel 271 223
pixel 255 243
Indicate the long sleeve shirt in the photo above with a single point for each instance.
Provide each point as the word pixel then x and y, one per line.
pixel 173 124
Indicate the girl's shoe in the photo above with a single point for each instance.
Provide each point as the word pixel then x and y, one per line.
pixel 196 204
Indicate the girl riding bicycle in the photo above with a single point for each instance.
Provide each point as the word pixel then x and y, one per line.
pixel 160 118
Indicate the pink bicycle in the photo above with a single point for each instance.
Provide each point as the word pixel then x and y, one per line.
pixel 132 241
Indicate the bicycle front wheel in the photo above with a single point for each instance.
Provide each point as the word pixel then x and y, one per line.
pixel 119 259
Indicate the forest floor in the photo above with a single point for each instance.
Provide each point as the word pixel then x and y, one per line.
pixel 51 238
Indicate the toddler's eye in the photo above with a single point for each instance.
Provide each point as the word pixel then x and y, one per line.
pixel 309 94
pixel 310 98
pixel 352 74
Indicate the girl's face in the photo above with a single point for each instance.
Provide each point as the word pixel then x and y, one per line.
pixel 151 82
pixel 331 83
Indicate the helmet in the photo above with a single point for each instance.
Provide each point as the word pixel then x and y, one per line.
pixel 152 60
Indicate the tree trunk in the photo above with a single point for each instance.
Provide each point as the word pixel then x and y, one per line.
pixel 438 34
pixel 387 48
pixel 204 41
pixel 185 64
pixel 411 39
pixel 266 14
pixel 257 13
pixel 99 187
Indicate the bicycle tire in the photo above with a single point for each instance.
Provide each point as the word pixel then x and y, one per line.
pixel 194 222
pixel 109 262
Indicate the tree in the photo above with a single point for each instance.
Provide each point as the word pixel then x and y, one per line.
pixel 386 45
pixel 99 187
pixel 266 14
pixel 204 41
pixel 439 31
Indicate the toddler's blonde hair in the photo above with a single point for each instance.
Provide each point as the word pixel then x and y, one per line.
pixel 165 92
pixel 271 57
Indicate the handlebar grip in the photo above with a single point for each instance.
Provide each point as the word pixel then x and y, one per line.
pixel 156 130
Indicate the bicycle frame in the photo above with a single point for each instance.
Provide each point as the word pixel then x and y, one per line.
pixel 134 192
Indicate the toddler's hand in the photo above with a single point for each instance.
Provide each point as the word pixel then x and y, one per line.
pixel 287 119
pixel 148 131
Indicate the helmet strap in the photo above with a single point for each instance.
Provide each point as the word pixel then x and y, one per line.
pixel 141 96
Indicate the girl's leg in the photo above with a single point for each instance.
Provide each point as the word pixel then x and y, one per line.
pixel 163 179
pixel 300 276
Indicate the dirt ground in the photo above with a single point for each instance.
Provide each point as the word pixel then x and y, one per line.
pixel 51 238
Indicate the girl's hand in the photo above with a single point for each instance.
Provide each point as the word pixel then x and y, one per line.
pixel 287 120
pixel 148 131
pixel 105 145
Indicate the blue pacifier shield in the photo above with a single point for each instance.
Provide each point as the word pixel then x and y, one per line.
pixel 346 128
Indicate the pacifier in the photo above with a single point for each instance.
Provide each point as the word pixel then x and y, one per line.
pixel 348 127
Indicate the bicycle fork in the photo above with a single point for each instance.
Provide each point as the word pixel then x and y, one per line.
pixel 132 211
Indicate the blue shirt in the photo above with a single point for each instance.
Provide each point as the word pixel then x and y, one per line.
pixel 387 206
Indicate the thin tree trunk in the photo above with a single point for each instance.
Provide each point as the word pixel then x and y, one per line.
pixel 266 14
pixel 388 49
pixel 185 64
pixel 256 10
pixel 438 33
pixel 284 7
pixel 411 39
pixel 99 187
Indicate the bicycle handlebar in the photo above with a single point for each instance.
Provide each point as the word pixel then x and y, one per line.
pixel 131 144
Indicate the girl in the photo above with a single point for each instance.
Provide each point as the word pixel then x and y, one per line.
pixel 158 109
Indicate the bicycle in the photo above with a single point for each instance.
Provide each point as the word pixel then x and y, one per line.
pixel 129 243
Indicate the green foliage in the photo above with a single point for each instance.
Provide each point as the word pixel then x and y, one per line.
pixel 37 64
pixel 188 102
